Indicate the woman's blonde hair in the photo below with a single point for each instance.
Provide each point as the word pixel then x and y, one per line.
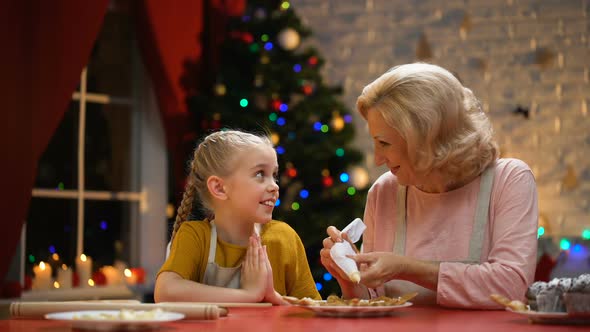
pixel 215 155
pixel 440 119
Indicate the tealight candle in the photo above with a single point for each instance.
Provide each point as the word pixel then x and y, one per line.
pixel 130 277
pixel 42 276
pixel 64 277
pixel 84 269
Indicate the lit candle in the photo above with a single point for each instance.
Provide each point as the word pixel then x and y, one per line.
pixel 64 277
pixel 42 276
pixel 130 277
pixel 84 269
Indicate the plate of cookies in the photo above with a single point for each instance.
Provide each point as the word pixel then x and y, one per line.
pixel 335 306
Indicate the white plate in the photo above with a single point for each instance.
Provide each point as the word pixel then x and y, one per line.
pixel 354 311
pixel 91 320
pixel 552 317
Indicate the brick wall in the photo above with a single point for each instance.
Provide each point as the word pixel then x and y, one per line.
pixel 535 54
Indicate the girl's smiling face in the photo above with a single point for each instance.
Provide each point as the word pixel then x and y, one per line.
pixel 252 188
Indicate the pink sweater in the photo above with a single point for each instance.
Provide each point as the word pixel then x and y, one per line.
pixel 439 229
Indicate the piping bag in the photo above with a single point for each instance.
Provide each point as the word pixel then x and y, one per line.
pixel 354 230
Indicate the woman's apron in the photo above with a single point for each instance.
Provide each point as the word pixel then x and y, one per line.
pixel 215 275
pixel 400 287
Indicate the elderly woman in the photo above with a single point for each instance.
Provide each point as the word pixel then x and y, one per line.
pixel 449 220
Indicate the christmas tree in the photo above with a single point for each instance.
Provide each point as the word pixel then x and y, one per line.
pixel 266 80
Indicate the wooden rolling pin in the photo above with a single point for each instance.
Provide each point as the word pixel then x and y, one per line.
pixel 40 309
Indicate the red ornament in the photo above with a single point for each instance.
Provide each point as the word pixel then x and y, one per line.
pixel 99 278
pixel 327 181
pixel 139 273
pixel 307 89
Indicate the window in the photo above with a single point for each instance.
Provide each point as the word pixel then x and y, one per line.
pixel 110 204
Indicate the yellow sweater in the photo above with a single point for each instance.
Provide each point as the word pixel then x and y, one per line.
pixel 291 274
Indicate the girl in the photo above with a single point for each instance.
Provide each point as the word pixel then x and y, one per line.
pixel 224 258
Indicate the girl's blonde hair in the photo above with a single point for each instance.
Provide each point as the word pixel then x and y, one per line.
pixel 215 155
pixel 440 119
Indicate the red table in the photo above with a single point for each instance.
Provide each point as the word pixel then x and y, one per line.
pixel 263 319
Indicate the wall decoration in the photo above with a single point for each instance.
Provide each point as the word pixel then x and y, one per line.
pixel 423 51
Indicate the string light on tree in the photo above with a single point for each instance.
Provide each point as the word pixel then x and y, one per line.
pixel 291 172
pixel 275 138
pixel 304 193
pixel 344 177
pixel 565 244
pixel 220 89
pixel 337 121
pixel 540 231
pixel 276 104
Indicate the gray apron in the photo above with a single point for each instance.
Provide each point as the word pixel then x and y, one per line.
pixel 215 275
pixel 427 296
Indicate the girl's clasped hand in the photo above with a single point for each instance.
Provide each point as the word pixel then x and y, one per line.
pixel 256 276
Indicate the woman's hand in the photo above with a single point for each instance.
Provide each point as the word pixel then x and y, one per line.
pixel 254 274
pixel 380 267
pixel 334 236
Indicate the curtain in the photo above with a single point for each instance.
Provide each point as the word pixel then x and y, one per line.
pixel 45 46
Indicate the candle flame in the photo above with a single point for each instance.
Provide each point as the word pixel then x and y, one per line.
pixel 42 266
pixel 91 282
pixel 64 267
pixel 56 284
pixel 55 257
pixel 127 273
pixel 83 258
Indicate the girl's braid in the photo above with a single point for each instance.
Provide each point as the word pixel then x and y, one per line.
pixel 188 197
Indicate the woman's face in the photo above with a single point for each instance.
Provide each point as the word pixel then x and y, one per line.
pixel 390 148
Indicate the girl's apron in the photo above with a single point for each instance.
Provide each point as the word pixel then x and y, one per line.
pixel 215 275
